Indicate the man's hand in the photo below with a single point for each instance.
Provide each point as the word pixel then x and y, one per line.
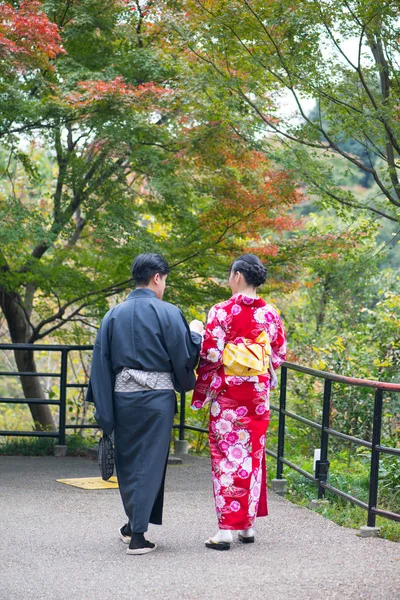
pixel 197 326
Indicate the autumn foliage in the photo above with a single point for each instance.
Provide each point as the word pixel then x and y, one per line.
pixel 116 90
pixel 253 199
pixel 27 37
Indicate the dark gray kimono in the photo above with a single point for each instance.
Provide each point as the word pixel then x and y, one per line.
pixel 148 334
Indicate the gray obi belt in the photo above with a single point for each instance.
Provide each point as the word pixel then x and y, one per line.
pixel 133 380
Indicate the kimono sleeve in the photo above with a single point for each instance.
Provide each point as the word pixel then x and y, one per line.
pixel 101 383
pixel 210 358
pixel 183 348
pixel 278 343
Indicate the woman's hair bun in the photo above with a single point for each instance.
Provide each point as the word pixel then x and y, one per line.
pixel 252 269
pixel 256 275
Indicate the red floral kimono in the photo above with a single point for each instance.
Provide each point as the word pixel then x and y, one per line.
pixel 239 409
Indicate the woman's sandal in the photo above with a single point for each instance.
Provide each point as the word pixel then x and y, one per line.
pixel 246 540
pixel 210 543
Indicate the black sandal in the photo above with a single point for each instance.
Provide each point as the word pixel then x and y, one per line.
pixel 246 540
pixel 217 545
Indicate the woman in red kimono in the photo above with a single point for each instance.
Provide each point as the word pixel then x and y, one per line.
pixel 239 406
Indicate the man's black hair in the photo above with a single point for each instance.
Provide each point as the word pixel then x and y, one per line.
pixel 145 266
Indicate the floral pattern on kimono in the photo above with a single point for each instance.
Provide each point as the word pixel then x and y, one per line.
pixel 239 409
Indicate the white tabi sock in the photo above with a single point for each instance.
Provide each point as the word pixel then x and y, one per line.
pixel 223 535
pixel 247 533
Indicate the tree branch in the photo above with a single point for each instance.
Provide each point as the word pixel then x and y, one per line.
pixel 332 144
pixel 139 24
pixel 32 126
pixel 220 237
pixel 379 56
pixel 80 224
pixel 59 315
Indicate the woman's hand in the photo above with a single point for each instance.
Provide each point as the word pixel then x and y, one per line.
pixel 197 326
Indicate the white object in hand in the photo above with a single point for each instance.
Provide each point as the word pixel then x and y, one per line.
pixel 196 325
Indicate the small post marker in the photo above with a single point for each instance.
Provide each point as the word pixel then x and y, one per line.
pixel 181 447
pixel 279 486
pixel 366 531
pixel 318 504
pixel 60 450
pixel 317 456
pixel 174 460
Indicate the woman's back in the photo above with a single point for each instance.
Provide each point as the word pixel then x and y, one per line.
pixel 235 377
pixel 245 317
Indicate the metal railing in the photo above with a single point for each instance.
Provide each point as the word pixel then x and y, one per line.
pixel 320 478
pixel 64 386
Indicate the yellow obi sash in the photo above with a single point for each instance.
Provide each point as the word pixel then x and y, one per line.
pixel 248 358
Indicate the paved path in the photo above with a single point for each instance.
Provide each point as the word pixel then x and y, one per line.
pixel 58 542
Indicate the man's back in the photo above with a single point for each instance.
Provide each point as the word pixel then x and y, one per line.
pixel 142 330
pixel 143 350
pixel 141 333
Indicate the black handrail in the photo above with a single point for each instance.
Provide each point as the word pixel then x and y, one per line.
pixel 322 466
pixel 61 401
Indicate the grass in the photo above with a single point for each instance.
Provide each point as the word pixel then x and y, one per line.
pixel 354 517
pixel 77 445
pixel 27 447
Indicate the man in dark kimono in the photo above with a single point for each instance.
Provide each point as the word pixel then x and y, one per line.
pixel 143 351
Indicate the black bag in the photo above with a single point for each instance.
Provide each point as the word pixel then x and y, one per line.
pixel 105 457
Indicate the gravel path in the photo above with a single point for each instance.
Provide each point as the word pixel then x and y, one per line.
pixel 60 543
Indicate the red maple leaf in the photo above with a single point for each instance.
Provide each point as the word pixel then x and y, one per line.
pixel 27 36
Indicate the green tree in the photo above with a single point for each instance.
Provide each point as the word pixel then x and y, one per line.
pixel 340 53
pixel 345 319
pixel 107 151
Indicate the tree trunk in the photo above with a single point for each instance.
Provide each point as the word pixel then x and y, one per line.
pixel 32 388
pixel 20 332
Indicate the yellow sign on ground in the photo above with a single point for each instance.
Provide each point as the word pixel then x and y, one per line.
pixel 91 483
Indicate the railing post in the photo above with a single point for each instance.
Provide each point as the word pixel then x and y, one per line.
pixel 182 417
pixel 181 446
pixel 374 472
pixel 322 465
pixel 281 426
pixel 63 397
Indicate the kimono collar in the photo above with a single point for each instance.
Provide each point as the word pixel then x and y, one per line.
pixel 248 300
pixel 141 293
